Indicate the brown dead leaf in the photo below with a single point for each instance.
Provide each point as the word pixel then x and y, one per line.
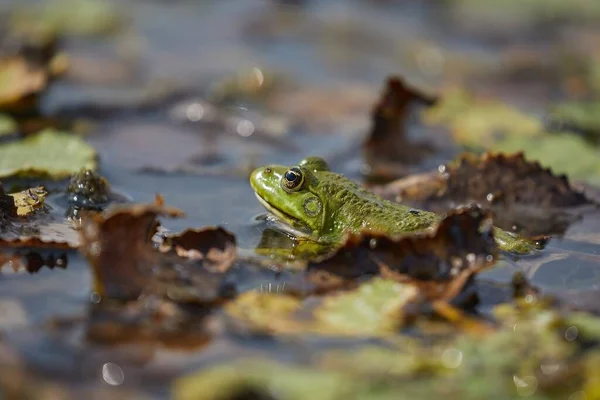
pixel 32 261
pixel 388 146
pixel 19 82
pixel 118 245
pixel 441 264
pixel 215 246
pixel 519 193
pixel 34 228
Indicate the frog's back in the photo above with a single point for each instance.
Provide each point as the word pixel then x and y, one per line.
pixel 354 208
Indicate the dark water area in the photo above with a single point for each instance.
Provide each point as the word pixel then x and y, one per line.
pixel 202 167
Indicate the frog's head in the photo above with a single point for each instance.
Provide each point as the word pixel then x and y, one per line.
pixel 291 193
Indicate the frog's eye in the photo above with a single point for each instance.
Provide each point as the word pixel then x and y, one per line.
pixel 293 179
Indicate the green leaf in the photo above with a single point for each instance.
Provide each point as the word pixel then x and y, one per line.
pixel 7 125
pixel 563 153
pixel 374 307
pixel 48 154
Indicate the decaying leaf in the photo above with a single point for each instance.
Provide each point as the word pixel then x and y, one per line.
pixel 440 263
pixel 388 142
pixel 48 154
pixel 20 83
pixel 32 261
pixel 30 201
pixel 215 246
pixel 414 270
pixel 126 265
pixel 520 193
pixel 22 225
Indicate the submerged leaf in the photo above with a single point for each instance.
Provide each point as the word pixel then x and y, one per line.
pixel 51 154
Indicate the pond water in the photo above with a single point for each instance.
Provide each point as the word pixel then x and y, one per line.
pixel 322 45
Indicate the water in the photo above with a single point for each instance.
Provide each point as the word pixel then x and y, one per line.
pixel 325 43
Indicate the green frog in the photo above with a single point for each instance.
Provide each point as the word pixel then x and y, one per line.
pixel 323 206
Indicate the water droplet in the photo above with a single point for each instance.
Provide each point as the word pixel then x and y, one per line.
pixel 526 386
pixel 529 299
pixel 373 243
pixel 549 368
pixel 471 258
pixel 442 168
pixel 194 112
pixel 95 297
pixel 452 358
pixel 245 128
pixel 489 197
pixel 260 78
pixel 571 333
pixel 489 258
pixel 95 248
pixel 113 374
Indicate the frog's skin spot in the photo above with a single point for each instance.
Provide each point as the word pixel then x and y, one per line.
pixel 312 206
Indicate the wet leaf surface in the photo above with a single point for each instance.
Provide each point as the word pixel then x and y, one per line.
pixel 52 154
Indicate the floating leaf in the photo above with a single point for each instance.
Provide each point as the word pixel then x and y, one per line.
pixel 388 144
pixel 125 263
pixel 580 116
pixel 258 379
pixel 21 225
pixel 30 201
pixel 65 17
pixel 439 263
pixel 556 151
pixel 51 154
pixel 7 125
pixel 480 122
pixel 215 246
pixel 20 83
pixel 374 307
pixel 520 193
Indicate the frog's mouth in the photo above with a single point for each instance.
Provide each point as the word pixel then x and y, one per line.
pixel 300 228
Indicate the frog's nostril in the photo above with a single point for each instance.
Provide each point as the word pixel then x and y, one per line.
pixel 267 170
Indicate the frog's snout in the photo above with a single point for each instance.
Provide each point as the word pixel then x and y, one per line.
pixel 260 176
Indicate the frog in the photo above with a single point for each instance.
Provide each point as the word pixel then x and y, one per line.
pixel 322 207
